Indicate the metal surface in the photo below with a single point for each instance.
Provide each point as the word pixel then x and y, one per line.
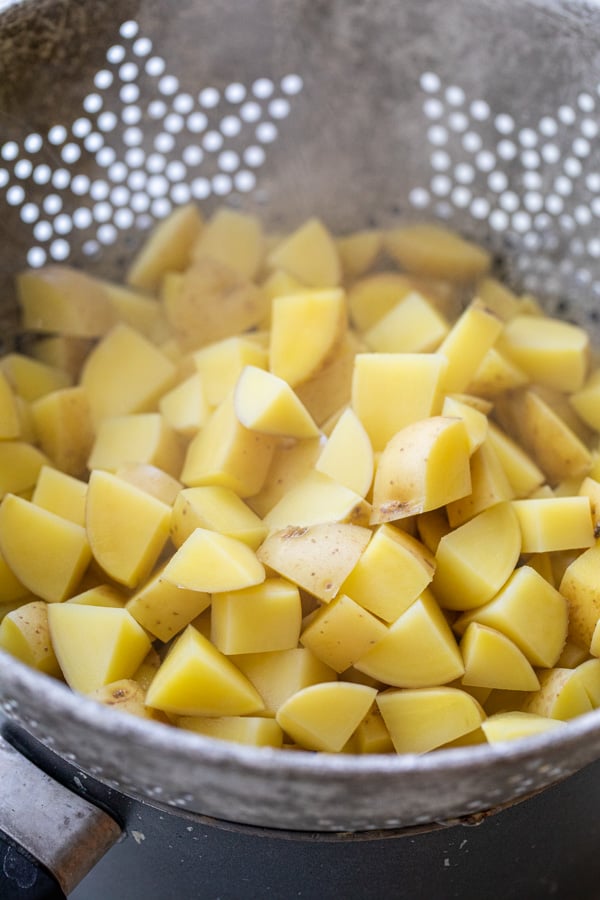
pixel 360 112
pixel 60 829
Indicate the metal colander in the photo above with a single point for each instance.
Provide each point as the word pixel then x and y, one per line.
pixel 362 112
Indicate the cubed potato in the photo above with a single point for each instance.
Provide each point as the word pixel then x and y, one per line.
pixel 342 632
pixel 391 573
pixel 306 329
pixel 435 251
pixel 61 494
pixel 218 509
pixel 138 438
pixel 164 609
pixel 424 466
pixel 11 589
pixel 145 314
pixel 265 403
pixel 233 238
pixel 20 465
pixel 496 374
pixel 530 612
pixel 150 479
pixel 324 716
pixel 195 679
pixel 581 588
pixel 431 528
pixel 371 298
pixel 317 558
pixel 331 388
pixel 348 455
pixel 61 300
pixel 10 420
pixel 64 430
pixel 551 352
pixel 125 373
pixel 489 486
pixel 475 420
pixel 523 474
pixel 257 619
pixel 419 649
pixel 358 252
pixel 497 297
pixel 423 719
pixel 590 488
pixel 62 351
pixel 127 528
pixel 95 645
pixel 556 523
pixel 280 674
pixel 318 498
pixel 474 560
pixel 100 595
pixel 226 453
pixel 413 325
pixel 492 660
pixel 380 395
pixel 168 248
pixel 586 401
pixel 24 633
pixel 185 407
pixel 255 731
pixel 512 726
pixel 213 562
pixel 61 548
pixel 210 301
pixel 466 344
pixel 310 255
pixel 372 735
pixel 220 364
pixel 290 463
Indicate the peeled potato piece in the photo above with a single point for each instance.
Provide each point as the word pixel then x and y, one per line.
pixel 432 250
pixel 323 716
pixel 512 726
pixel 421 720
pixel 492 660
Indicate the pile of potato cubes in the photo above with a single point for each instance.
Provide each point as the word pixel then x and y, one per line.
pixel 333 494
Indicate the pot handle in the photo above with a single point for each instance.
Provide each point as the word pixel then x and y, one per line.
pixel 50 837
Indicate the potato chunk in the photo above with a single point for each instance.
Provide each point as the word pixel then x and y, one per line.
pixel 435 251
pixel 257 619
pixel 25 634
pixel 323 716
pixel 168 248
pixel 213 562
pixel 342 632
pixel 310 255
pixel 421 720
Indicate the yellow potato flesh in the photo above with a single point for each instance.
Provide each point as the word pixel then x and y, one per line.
pixel 60 300
pixel 212 562
pixel 141 438
pixel 489 486
pixel 267 404
pixel 466 344
pixel 342 632
pixel 220 365
pixel 318 498
pixel 279 674
pixel 580 587
pixel 257 619
pixel 432 250
pixel 25 634
pixel 557 523
pixel 185 407
pixel 233 238
pixel 324 716
pixel 492 660
pixel 167 249
pixel 412 326
pixel 354 470
pixel 62 422
pixel 20 465
pixel 61 494
pixel 256 731
pixel 164 609
pixel 554 353
pixel 310 255
pixel 10 422
pixel 421 720
pixel 218 509
pixel 515 725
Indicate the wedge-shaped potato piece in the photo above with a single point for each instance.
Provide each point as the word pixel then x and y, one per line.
pixel 279 284
pixel 137 437
pixel 168 248
pixel 556 523
pixel 380 395
pixel 494 661
pixel 341 632
pixel 530 612
pixel 20 465
pixel 62 300
pixel 541 432
pixel 424 466
pixel 266 403
pixel 374 296
pixel 124 695
pixel 209 302
pixel 497 297
pixel 95 645
pixel 164 609
pixel 48 554
pixel 324 716
pixel 11 589
pixel 523 474
pixel 572 655
pixel 489 486
pixel 581 587
pixel 24 633
pixel 61 494
pixel 226 453
pixel 10 420
pixel 590 488
pixel 280 674
pixel 588 672
pixel 466 344
pixel 31 379
pixel 413 325
pixel 100 595
pixel 512 726
pixel 195 679
pixel 213 562
pixel 561 695
pixel 255 731
pixel 125 373
pixel 62 351
pixel 317 558
pixel 421 720
pixel 64 430
pixel 419 649
pixel 330 389
pixel 306 329
pixel 551 352
pixel 431 528
pixel 586 401
pixel 218 509
pixel 291 462
pixel 358 252
pixel 310 255
pixel 348 455
pixel 426 249
pixel 233 238
pixel 475 560
pixel 496 374
pixel 184 407
pixel 392 572
pixel 258 619
pixel 150 479
pixel 372 735
pixel 220 364
pixel 476 422
pixel 318 498
pixel 143 313
pixel 127 527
